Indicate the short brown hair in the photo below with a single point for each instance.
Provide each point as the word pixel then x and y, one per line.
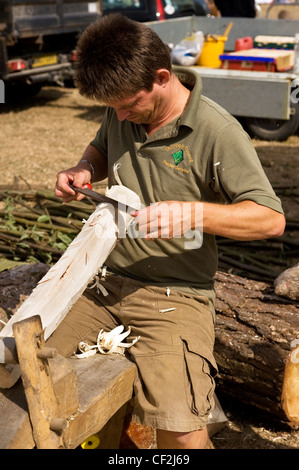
pixel 117 57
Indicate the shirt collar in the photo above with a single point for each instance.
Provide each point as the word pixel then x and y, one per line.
pixel 192 81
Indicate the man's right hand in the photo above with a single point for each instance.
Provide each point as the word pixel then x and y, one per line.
pixel 77 176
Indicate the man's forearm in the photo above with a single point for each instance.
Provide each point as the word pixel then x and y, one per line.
pixel 95 162
pixel 245 220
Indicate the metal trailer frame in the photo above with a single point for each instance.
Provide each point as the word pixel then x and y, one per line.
pixel 243 93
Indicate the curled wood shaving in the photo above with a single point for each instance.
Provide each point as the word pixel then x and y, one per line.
pixel 107 343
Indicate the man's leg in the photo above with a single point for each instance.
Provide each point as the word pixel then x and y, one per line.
pixel 175 384
pixel 182 440
pixel 82 323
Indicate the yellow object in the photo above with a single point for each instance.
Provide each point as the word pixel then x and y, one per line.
pixel 92 442
pixel 228 28
pixel 213 47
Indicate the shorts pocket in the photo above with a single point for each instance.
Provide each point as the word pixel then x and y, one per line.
pixel 201 368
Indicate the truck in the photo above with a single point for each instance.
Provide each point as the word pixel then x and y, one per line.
pixel 265 102
pixel 38 40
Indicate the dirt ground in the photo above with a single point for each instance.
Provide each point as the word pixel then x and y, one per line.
pixel 48 133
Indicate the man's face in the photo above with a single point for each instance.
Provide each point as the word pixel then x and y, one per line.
pixel 141 108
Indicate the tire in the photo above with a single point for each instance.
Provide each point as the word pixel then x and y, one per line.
pixel 273 129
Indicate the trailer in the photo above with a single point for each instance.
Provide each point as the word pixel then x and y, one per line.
pixel 266 102
pixel 38 39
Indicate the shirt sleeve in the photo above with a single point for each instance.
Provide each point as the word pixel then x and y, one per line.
pixel 237 171
pixel 100 140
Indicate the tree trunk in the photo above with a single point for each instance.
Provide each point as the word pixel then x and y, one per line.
pixel 256 333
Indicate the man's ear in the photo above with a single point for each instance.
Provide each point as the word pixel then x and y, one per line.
pixel 162 77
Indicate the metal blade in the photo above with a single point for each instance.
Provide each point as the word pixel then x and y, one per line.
pixel 102 198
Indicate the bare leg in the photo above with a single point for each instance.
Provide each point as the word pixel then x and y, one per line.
pixel 182 440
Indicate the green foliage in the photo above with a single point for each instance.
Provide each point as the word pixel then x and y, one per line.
pixel 37 226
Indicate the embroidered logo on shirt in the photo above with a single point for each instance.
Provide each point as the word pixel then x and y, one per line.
pixel 182 154
pixel 178 157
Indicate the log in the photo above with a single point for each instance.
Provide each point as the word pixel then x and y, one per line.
pixel 70 276
pixel 256 333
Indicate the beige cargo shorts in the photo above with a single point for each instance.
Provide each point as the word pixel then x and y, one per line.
pixel 174 386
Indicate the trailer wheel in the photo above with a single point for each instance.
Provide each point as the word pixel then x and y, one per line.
pixel 274 129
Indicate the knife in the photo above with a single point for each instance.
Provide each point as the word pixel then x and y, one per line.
pixel 102 198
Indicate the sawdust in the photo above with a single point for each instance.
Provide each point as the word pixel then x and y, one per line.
pixel 41 137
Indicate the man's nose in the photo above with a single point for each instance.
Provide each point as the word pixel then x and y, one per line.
pixel 122 114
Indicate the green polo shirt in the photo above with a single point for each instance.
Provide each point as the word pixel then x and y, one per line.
pixel 203 156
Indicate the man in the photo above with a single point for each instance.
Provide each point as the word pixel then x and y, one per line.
pixel 196 172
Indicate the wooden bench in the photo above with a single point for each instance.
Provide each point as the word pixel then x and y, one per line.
pixel 61 402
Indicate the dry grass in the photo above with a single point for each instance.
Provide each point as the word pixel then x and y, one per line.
pixel 49 134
